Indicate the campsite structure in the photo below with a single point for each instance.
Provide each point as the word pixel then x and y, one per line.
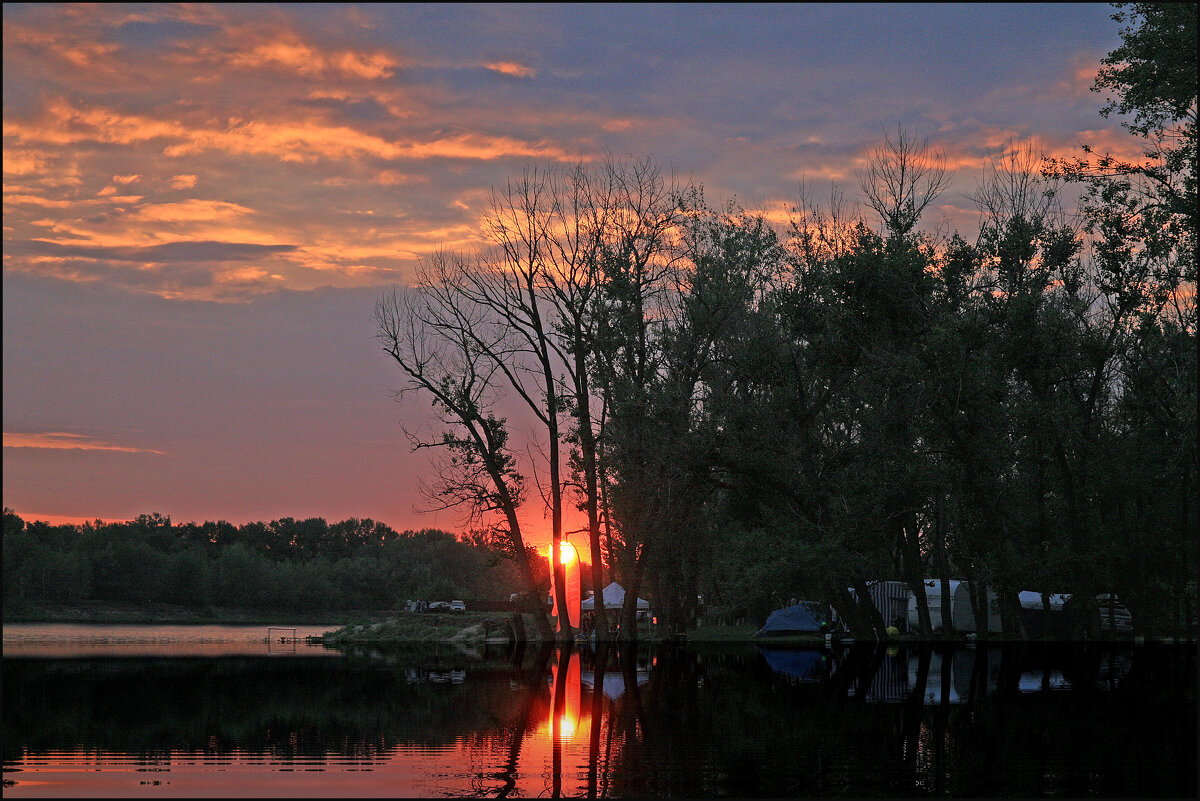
pixel 805 617
pixel 1042 616
pixel 614 599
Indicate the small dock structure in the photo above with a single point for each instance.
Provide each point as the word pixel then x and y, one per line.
pixel 281 634
pixel 283 638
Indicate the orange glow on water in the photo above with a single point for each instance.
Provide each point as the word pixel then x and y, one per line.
pixel 570 707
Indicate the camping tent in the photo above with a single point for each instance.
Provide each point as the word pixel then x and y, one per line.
pixel 614 598
pixel 803 618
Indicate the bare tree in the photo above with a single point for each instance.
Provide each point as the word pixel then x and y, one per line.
pixel 584 208
pixel 1013 186
pixel 902 178
pixel 525 314
pixel 436 348
pixel 501 292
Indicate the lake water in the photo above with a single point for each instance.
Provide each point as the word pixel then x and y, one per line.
pixel 161 711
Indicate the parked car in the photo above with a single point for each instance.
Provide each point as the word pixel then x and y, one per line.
pixel 458 606
pixel 439 606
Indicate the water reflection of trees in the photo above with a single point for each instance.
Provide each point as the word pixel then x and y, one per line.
pixel 290 709
pixel 1023 720
pixel 883 723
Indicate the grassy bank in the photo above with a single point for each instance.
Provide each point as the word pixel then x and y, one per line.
pixel 719 634
pixel 425 627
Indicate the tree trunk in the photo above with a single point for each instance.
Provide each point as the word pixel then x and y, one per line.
pixel 874 620
pixel 629 623
pixel 1010 614
pixel 913 575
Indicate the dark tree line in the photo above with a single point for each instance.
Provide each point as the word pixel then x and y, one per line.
pixel 307 565
pixel 752 413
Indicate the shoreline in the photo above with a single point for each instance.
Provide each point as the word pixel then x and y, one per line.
pixel 383 626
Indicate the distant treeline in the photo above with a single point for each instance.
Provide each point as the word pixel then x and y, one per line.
pixel 302 565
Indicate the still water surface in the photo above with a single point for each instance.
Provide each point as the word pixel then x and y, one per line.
pixel 221 711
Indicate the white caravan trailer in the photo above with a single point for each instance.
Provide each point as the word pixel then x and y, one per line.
pixel 964 615
pixel 933 593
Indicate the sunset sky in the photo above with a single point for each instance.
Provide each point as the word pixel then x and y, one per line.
pixel 202 202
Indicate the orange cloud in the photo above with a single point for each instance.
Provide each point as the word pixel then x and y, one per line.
pixel 15 198
pixel 614 126
pixel 1069 87
pixel 512 69
pixel 393 177
pixel 16 163
pixel 302 141
pixel 1112 141
pixel 43 168
pixel 64 124
pixel 61 440
pixel 482 146
pixel 306 141
pixel 183 181
pixel 290 52
pixel 191 211
pixel 76 50
pixel 241 275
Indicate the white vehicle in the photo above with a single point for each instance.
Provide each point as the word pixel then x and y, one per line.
pixel 458 606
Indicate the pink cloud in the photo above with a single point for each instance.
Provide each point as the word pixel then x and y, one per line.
pixel 62 440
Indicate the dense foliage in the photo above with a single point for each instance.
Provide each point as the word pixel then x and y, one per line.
pixel 774 411
pixel 301 565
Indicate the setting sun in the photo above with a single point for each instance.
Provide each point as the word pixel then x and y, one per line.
pixel 566 555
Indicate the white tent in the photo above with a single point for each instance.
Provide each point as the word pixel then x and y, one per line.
pixel 614 598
